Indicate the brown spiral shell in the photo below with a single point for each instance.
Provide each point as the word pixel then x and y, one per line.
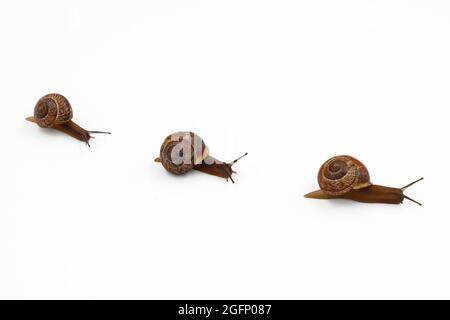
pixel 340 174
pixel 181 151
pixel 52 109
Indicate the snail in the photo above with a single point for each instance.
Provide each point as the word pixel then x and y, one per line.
pixel 183 151
pixel 54 111
pixel 344 177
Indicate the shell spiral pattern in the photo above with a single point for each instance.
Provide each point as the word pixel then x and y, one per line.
pixel 341 174
pixel 181 151
pixel 52 109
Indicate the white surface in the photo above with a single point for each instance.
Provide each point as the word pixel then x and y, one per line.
pixel 291 82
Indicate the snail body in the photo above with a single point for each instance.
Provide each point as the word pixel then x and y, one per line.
pixel 344 177
pixel 54 111
pixel 183 151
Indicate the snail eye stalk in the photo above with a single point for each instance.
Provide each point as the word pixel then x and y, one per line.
pixel 406 197
pixel 409 185
pixel 233 162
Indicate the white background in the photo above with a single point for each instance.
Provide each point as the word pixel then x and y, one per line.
pixel 291 82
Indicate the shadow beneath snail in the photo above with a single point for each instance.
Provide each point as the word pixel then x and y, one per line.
pixel 188 175
pixel 50 133
pixel 344 203
pixel 53 133
pixel 175 177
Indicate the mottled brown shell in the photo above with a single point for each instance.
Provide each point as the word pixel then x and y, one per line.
pixel 340 174
pixel 51 110
pixel 181 151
